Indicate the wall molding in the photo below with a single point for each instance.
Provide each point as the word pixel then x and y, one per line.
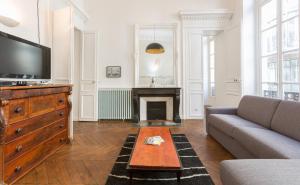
pixel 211 21
pixel 78 10
pixel 195 25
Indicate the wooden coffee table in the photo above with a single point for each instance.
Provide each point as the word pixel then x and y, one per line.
pixel 163 158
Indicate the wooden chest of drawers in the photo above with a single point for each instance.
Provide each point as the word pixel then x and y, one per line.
pixel 33 125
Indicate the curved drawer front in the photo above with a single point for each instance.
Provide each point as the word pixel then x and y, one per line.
pixel 23 144
pixel 22 128
pixel 17 168
pixel 61 100
pixel 17 110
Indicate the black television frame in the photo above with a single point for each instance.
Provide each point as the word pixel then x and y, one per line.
pixel 22 81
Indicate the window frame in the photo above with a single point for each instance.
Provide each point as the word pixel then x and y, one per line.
pixel 279 50
pixel 211 39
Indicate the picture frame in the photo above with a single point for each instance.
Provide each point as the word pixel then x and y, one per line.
pixel 113 72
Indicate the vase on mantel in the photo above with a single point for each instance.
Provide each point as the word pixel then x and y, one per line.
pixel 152 85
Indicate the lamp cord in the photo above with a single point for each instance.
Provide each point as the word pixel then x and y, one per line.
pixel 154 33
pixel 38 19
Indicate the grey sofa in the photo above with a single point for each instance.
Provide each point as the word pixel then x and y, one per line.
pixel 265 133
pixel 259 128
pixel 261 172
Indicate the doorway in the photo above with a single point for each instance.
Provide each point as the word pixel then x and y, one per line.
pixel 85 76
pixel 76 73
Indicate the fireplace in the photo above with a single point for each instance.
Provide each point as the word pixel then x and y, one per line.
pixel 156 110
pixel 156 98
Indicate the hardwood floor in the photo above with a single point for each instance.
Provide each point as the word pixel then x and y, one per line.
pixel 89 159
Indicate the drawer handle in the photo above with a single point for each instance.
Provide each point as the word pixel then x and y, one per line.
pixel 18 130
pixel 18 169
pixel 61 126
pixel 61 113
pixel 18 110
pixel 19 148
pixel 61 101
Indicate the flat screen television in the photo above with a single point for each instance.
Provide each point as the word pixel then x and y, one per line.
pixel 22 60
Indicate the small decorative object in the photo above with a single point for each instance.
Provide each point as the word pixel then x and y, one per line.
pixel 155 140
pixel 113 72
pixel 152 85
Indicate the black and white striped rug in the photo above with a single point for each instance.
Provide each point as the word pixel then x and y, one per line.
pixel 194 172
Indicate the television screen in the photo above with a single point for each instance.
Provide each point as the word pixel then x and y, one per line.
pixel 21 59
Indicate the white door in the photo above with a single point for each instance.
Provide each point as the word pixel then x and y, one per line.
pixel 88 102
pixel 193 74
pixel 62 50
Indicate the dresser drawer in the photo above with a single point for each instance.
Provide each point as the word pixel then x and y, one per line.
pixel 25 143
pixel 61 100
pixel 17 110
pixel 41 105
pixel 22 128
pixel 17 168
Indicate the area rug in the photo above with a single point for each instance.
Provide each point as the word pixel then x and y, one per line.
pixel 194 172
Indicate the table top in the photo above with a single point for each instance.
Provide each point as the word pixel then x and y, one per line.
pixel 154 157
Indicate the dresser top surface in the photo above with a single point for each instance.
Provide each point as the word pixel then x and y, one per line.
pixel 34 86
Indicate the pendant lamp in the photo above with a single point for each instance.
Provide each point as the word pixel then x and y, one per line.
pixel 155 47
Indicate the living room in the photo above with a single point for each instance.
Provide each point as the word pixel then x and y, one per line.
pixel 149 92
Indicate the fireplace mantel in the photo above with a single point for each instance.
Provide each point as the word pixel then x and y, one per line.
pixel 156 92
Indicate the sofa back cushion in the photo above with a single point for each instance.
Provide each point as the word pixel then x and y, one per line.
pixel 286 119
pixel 258 109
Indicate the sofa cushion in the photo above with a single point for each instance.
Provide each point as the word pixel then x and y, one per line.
pixel 267 144
pixel 260 172
pixel 227 123
pixel 258 109
pixel 286 119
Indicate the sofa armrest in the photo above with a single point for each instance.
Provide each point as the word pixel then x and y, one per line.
pixel 219 110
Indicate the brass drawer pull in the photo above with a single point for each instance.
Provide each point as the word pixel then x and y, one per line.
pixel 18 110
pixel 61 126
pixel 19 148
pixel 18 169
pixel 61 113
pixel 18 130
pixel 61 101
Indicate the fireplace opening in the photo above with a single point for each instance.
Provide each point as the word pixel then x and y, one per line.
pixel 156 111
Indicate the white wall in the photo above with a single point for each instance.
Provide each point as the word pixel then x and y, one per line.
pixel 228 61
pixel 115 20
pixel 235 56
pixel 26 13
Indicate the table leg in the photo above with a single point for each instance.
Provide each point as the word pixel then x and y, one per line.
pixel 130 177
pixel 178 176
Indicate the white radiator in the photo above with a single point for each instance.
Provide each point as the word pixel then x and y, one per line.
pixel 115 103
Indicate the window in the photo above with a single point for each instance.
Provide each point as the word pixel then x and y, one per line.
pixel 211 58
pixel 279 49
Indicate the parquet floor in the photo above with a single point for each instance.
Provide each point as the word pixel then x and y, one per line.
pixel 95 148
